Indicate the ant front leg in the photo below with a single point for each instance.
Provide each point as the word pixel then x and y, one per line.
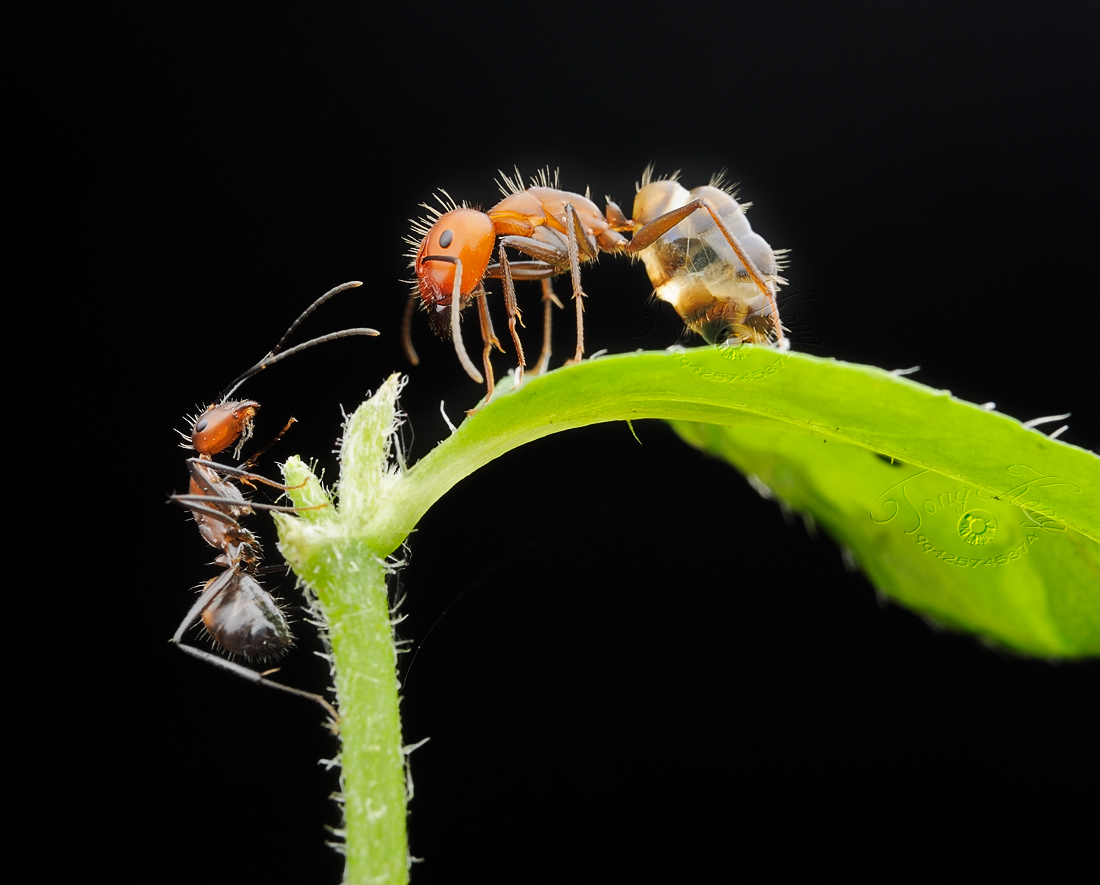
pixel 489 340
pixel 512 309
pixel 534 270
pixel 649 233
pixel 250 463
pixel 198 466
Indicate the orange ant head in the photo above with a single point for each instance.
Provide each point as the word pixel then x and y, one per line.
pixel 461 235
pixel 219 427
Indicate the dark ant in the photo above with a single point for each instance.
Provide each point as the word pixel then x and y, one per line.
pixel 238 613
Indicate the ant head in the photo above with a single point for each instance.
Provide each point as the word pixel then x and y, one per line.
pixel 461 235
pixel 220 426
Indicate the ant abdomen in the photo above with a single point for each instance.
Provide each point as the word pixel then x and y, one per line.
pixel 245 620
pixel 719 275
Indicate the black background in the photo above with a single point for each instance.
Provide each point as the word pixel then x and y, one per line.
pixel 629 665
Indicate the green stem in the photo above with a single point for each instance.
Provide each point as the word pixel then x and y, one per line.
pixel 361 636
pixel 348 578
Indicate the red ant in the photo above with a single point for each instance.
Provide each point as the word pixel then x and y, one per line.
pixel 557 229
pixel 238 613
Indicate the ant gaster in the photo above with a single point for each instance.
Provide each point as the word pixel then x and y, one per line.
pixel 719 275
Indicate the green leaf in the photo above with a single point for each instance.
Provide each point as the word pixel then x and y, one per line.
pixel 958 512
pixel 985 525
pixel 996 563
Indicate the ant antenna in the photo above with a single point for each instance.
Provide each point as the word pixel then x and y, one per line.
pixel 274 355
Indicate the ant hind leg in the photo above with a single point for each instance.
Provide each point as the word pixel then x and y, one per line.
pixel 549 299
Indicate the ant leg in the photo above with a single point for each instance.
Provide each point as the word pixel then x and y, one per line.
pixel 213 588
pixel 555 259
pixel 648 234
pixel 200 479
pixel 200 504
pixel 208 490
pixel 513 311
pixel 552 261
pixel 406 330
pixel 575 232
pixel 247 465
pixel 195 465
pixel 549 299
pixel 259 678
pixel 489 337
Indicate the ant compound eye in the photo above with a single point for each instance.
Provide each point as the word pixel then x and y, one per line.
pixel 724 335
pixel 200 425
pixel 446 238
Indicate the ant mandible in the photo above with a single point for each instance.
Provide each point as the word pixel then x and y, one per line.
pixel 558 230
pixel 237 612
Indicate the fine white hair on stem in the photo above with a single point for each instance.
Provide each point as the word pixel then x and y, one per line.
pixel 443 412
pixel 1035 422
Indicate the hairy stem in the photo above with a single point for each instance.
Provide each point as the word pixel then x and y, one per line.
pixel 348 578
